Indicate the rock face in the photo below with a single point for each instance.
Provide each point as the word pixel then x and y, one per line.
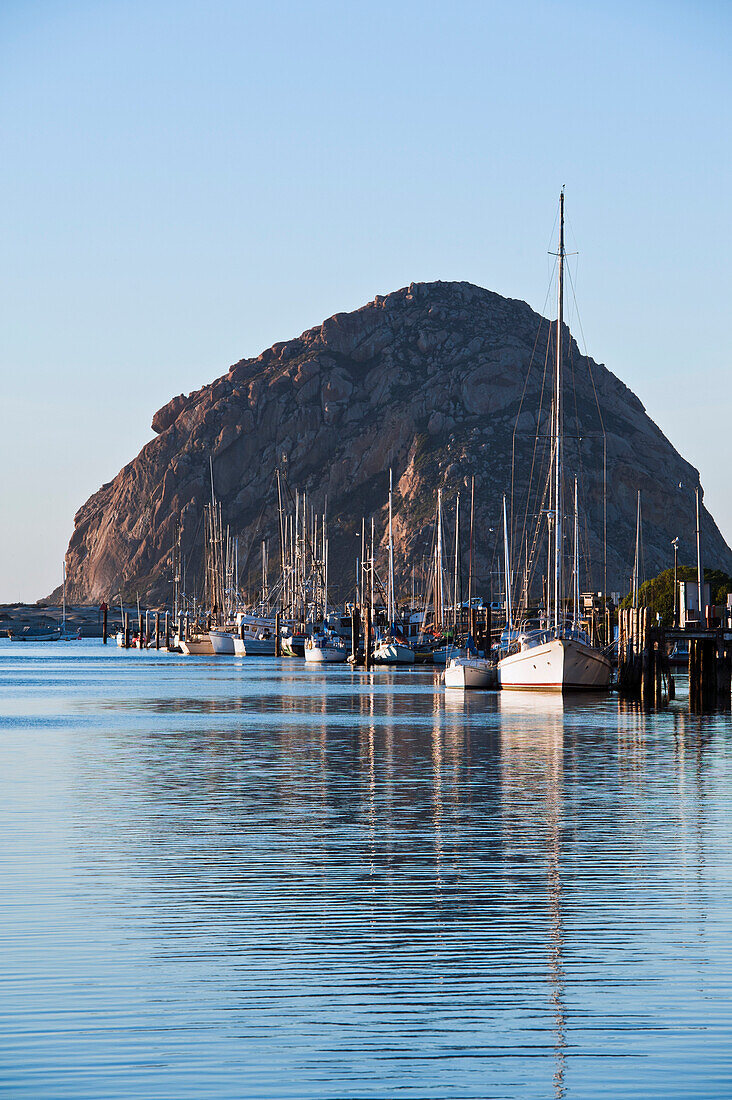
pixel 439 381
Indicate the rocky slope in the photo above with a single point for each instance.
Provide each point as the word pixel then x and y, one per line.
pixel 438 380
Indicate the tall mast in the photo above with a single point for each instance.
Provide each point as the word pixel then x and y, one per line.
pixel 280 516
pixel 558 428
pixel 390 581
pixel 636 562
pixel 507 560
pixel 699 570
pixel 439 555
pixel 361 597
pixel 372 567
pixel 470 557
pixel 575 586
pixel 457 563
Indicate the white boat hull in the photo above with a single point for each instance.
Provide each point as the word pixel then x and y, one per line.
pixel 240 650
pixel 559 664
pixel 325 654
pixel 393 653
pixel 197 647
pixel 470 672
pixel 258 647
pixel 222 642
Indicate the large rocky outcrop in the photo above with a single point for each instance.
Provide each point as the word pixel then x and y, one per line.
pixel 438 380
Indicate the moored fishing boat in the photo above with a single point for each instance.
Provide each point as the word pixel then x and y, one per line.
pixel 390 651
pixel 222 641
pixel 195 644
pixel 325 649
pixel 257 633
pixel 470 672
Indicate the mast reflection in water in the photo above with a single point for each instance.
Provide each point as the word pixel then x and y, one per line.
pixel 264 879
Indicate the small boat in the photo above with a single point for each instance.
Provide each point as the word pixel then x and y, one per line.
pixel 258 645
pixel 390 651
pixel 444 654
pixel 258 635
pixel 293 645
pixel 325 649
pixel 222 641
pixel 470 672
pixel 196 645
pixel 679 654
pixel 39 636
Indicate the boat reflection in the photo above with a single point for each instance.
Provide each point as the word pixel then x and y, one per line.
pixel 532 776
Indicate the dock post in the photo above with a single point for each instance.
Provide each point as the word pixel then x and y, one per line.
pixel 278 636
pixel 368 625
pixel 157 630
pixel 104 623
pixel 167 632
pixel 126 630
pixel 355 632
pixel 724 673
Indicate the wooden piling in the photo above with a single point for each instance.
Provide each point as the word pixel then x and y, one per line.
pixel 104 623
pixel 157 630
pixel 167 632
pixel 355 633
pixel 278 636
pixel 368 640
pixel 126 631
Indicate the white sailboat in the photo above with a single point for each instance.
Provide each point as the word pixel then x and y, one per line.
pixel 469 671
pixel 325 649
pixel 390 649
pixel 560 657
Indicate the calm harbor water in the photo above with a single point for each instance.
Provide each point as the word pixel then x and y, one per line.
pixel 252 878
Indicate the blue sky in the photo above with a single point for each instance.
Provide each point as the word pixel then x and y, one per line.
pixel 182 184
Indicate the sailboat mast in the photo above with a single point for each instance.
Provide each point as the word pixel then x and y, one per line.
pixel 372 567
pixel 470 557
pixel 457 563
pixel 439 555
pixel 636 562
pixel 507 561
pixel 390 594
pixel 558 427
pixel 575 586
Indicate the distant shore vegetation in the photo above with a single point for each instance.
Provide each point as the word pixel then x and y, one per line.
pixel 658 592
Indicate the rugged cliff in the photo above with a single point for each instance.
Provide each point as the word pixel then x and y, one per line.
pixel 438 380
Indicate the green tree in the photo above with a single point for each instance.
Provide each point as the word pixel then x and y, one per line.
pixel 658 593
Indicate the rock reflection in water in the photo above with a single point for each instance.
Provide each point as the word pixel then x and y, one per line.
pixel 258 879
